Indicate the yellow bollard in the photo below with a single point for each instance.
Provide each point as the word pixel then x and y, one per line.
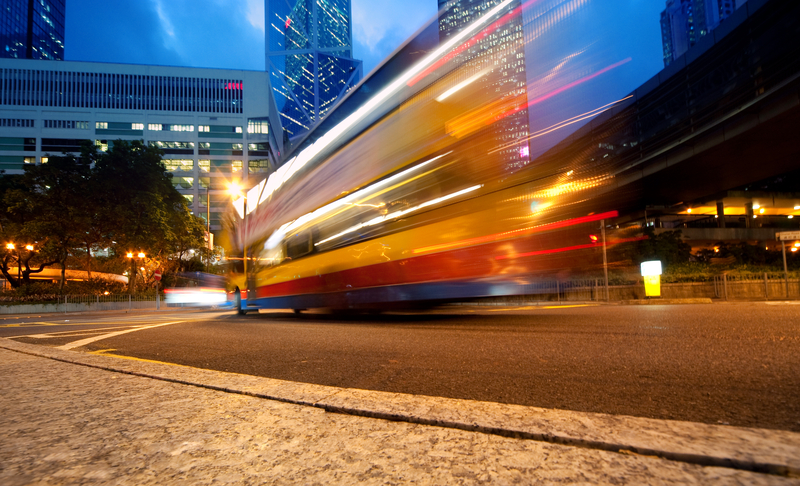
pixel 651 272
pixel 652 286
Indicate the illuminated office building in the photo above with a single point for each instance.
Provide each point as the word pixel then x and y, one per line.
pixel 684 22
pixel 309 58
pixel 32 29
pixel 502 48
pixel 212 124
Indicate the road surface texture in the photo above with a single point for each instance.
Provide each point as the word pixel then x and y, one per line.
pixel 736 364
pixel 68 417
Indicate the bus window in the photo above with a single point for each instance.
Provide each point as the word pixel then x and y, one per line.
pixel 299 245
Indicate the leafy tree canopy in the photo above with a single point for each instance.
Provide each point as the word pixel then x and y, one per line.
pixel 76 204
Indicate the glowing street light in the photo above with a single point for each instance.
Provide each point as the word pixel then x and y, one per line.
pixel 10 246
pixel 132 277
pixel 29 247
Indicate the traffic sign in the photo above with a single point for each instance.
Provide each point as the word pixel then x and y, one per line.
pixel 787 236
pixel 157 275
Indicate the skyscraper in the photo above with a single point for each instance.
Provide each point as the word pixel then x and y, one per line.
pixel 32 29
pixel 503 49
pixel 309 58
pixel 684 22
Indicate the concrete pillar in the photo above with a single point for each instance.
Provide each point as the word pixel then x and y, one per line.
pixel 748 215
pixel 720 214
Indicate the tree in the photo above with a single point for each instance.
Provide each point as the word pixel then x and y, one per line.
pixel 73 205
pixel 139 201
pixel 23 245
pixel 59 197
pixel 668 247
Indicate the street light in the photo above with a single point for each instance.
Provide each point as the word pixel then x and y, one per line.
pixel 11 246
pixel 236 190
pixel 133 269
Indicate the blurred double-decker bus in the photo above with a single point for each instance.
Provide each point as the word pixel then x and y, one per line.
pixel 409 193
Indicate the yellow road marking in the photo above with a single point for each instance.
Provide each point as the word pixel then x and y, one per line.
pixel 531 307
pixel 103 352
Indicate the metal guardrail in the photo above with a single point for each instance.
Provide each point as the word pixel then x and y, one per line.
pixel 79 303
pixel 764 286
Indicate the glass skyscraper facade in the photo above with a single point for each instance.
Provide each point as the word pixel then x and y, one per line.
pixel 32 29
pixel 684 22
pixel 309 59
pixel 504 50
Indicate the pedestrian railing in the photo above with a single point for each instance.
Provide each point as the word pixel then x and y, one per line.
pixel 79 303
pixel 764 286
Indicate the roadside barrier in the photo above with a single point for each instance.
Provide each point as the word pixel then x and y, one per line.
pixel 81 303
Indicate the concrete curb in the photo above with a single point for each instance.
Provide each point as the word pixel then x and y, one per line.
pixel 758 450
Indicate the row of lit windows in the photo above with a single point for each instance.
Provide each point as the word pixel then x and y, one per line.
pixel 158 127
pixel 219 129
pixel 187 165
pixel 71 124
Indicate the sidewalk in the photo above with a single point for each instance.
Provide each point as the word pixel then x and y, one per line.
pixel 76 418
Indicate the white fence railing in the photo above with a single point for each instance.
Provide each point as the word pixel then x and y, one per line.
pixel 83 303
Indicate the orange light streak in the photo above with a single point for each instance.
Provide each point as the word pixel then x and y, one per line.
pixel 519 232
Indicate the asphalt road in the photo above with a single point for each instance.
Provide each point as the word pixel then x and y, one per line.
pixel 736 364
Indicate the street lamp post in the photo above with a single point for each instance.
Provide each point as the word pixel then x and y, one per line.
pixel 208 230
pixel 132 282
pixel 11 246
pixel 236 190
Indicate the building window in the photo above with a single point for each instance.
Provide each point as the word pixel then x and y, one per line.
pixel 101 126
pixel 258 126
pixel 204 165
pixel 69 124
pixel 155 127
pixel 203 128
pixel 175 165
pixel 137 126
pixel 238 129
pixel 16 123
pixel 183 182
pixel 181 128
pixel 236 166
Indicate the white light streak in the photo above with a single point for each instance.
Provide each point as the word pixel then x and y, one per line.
pixel 281 232
pixel 460 86
pixel 334 133
pixel 397 214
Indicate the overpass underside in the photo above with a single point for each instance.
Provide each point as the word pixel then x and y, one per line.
pixel 724 115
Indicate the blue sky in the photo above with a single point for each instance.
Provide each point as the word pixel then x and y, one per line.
pixel 230 33
pixel 217 33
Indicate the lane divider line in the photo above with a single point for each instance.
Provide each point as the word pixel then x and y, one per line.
pixel 84 342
